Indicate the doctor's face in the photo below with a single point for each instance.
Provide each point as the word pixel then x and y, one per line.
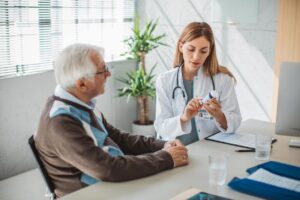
pixel 195 52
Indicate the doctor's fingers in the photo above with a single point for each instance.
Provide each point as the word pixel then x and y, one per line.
pixel 213 105
pixel 211 110
pixel 195 104
pixel 214 102
pixel 191 108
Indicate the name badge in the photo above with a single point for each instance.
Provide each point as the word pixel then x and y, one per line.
pixel 203 114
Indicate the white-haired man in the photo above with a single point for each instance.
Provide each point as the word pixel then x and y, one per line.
pixel 77 145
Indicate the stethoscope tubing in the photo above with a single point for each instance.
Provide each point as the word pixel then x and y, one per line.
pixel 179 87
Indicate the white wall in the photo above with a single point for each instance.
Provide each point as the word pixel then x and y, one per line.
pixel 246 47
pixel 22 100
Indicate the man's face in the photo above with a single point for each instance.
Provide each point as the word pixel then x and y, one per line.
pixel 97 83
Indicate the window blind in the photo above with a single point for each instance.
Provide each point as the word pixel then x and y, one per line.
pixel 33 32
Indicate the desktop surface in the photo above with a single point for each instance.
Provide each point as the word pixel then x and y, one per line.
pixel 169 183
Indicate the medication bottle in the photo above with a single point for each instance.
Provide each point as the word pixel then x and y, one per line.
pixel 203 114
pixel 212 94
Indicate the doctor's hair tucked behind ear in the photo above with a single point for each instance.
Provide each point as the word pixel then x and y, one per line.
pixel 74 63
pixel 201 29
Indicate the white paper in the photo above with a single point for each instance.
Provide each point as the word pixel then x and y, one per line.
pixel 265 176
pixel 243 139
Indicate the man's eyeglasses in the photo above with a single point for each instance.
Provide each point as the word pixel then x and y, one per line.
pixel 106 70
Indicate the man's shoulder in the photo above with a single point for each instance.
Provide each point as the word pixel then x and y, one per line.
pixel 53 131
pixel 59 108
pixel 59 124
pixel 64 121
pixel 56 118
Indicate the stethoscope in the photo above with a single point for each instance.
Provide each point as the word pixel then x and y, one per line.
pixel 180 88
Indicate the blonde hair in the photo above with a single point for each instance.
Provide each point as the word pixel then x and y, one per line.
pixel 201 29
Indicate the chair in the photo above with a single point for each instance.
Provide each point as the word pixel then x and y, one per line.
pixel 50 186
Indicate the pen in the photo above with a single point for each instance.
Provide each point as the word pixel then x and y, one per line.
pixel 253 150
pixel 245 150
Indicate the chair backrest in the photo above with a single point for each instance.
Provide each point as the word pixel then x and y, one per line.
pixel 42 168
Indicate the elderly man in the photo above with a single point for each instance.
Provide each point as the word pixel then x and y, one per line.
pixel 77 145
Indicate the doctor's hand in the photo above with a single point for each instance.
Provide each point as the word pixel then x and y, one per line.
pixel 173 143
pixel 178 154
pixel 191 110
pixel 214 108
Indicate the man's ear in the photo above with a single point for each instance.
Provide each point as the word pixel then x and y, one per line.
pixel 81 85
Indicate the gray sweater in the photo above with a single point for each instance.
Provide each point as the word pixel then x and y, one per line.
pixel 67 150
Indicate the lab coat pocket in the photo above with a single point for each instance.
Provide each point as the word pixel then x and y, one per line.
pixel 178 105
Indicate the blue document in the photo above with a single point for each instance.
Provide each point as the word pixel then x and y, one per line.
pixel 270 180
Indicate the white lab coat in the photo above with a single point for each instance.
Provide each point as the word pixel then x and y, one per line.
pixel 168 110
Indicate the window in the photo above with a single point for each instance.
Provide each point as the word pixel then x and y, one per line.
pixel 32 32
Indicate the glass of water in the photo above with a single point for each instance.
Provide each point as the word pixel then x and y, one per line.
pixel 262 147
pixel 218 168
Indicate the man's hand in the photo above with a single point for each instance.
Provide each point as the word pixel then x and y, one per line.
pixel 173 143
pixel 178 154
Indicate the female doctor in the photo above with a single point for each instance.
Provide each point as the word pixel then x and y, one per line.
pixel 196 73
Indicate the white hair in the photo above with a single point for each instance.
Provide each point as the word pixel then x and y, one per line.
pixel 74 63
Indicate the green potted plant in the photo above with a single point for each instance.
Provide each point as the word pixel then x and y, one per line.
pixel 138 83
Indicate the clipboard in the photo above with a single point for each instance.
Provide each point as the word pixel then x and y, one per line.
pixel 239 139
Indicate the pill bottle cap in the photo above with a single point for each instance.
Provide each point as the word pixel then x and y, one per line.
pixel 214 94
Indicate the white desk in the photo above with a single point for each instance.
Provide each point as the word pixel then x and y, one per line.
pixel 27 185
pixel 169 183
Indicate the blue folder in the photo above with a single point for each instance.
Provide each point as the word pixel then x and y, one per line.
pixel 265 190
